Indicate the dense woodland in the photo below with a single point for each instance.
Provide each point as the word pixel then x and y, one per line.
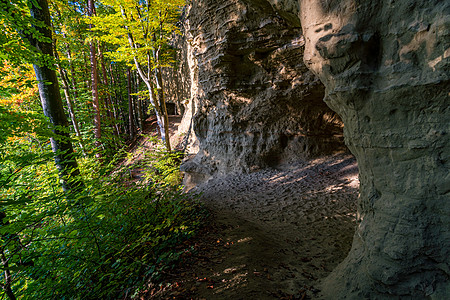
pixel 78 79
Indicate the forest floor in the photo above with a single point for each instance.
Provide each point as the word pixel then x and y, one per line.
pixel 272 234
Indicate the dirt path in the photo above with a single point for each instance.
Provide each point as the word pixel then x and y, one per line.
pixel 273 233
pixel 277 231
pixel 142 144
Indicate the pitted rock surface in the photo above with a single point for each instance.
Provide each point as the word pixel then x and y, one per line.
pixel 385 65
pixel 257 104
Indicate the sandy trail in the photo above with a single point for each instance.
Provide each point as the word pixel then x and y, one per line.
pixel 274 233
pixel 287 228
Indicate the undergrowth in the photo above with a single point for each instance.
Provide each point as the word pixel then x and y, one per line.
pixel 101 243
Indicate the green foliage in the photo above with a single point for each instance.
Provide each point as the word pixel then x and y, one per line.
pixel 18 29
pixel 115 233
pixel 162 167
pixel 150 23
pixel 94 244
pixel 112 236
pixel 166 168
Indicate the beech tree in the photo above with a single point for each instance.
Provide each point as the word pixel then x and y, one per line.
pixel 38 37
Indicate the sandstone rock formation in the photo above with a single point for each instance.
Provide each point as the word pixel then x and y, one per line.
pixel 176 80
pixel 255 104
pixel 385 65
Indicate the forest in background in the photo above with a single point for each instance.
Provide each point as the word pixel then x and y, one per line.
pixel 77 81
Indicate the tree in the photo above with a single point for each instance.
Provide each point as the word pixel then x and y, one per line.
pixel 147 26
pixel 94 81
pixel 69 101
pixel 130 106
pixel 51 98
pixel 7 273
pixel 65 78
pixel 38 37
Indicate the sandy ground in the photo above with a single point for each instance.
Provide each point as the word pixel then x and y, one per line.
pixel 286 229
pixel 273 233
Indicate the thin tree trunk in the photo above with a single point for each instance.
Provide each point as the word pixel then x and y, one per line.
pixel 7 277
pixel 51 103
pixel 108 100
pixel 139 103
pixel 94 80
pixel 162 104
pixel 72 113
pixel 73 83
pixel 159 83
pixel 161 100
pixel 120 100
pixel 130 106
pixel 87 82
pixel 70 107
pixel 95 100
pixel 114 101
pixel 137 123
pixel 68 53
pixel 158 111
pixel 74 86
pixel 68 99
pixel 72 72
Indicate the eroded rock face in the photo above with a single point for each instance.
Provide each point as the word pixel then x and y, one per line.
pixel 385 65
pixel 257 103
pixel 176 80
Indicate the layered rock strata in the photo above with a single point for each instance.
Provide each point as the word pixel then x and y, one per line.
pixel 385 65
pixel 176 79
pixel 255 103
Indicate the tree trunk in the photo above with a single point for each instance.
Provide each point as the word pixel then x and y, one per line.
pixel 162 105
pixel 69 100
pixel 7 277
pixel 139 106
pixel 52 104
pixel 159 115
pixel 69 56
pixel 135 112
pixel 121 81
pixel 159 83
pixel 108 100
pixel 70 107
pixel 72 72
pixel 114 101
pixel 130 106
pixel 94 81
